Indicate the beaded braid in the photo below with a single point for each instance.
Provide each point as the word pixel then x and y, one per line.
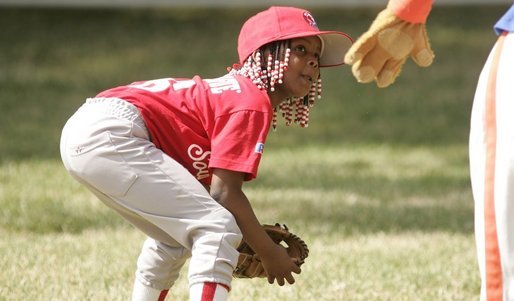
pixel 266 75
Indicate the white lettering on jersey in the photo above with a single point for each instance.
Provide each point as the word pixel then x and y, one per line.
pixel 217 85
pixel 225 83
pixel 156 85
pixel 196 153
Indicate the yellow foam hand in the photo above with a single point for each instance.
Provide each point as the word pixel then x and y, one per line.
pixel 380 53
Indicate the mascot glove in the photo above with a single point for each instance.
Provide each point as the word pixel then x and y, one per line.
pixel 380 53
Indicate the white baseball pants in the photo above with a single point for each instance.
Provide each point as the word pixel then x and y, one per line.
pixel 106 147
pixel 491 152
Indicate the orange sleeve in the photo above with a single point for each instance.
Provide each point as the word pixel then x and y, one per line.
pixel 412 11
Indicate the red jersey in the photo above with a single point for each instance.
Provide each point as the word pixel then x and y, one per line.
pixel 204 123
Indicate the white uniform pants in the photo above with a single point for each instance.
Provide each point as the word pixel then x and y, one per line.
pixel 106 147
pixel 491 150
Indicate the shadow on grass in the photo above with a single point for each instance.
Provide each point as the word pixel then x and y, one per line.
pixel 353 205
pixel 370 205
pixel 344 219
pixel 383 218
pixel 50 216
pixel 341 194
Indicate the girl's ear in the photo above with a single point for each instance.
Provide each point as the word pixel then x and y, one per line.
pixel 263 51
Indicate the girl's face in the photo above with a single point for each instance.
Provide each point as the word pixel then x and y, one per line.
pixel 303 68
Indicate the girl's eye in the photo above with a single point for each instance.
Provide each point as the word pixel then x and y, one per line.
pixel 300 48
pixel 303 50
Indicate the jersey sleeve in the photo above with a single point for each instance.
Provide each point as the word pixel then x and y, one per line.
pixel 238 141
pixel 506 23
pixel 412 11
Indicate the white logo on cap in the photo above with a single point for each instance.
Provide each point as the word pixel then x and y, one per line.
pixel 310 19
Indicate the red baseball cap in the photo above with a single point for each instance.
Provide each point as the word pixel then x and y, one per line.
pixel 284 23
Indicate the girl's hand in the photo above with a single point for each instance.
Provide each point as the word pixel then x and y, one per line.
pixel 279 266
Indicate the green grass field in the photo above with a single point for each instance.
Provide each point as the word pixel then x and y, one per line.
pixel 378 185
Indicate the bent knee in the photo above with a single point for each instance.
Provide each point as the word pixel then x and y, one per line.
pixel 220 223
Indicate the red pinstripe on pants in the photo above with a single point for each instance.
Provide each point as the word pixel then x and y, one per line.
pixel 493 270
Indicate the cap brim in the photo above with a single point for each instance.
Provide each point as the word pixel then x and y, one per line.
pixel 335 46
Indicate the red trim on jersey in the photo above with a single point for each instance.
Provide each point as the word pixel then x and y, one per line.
pixel 493 270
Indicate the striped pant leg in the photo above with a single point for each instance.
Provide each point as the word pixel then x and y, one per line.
pixel 491 151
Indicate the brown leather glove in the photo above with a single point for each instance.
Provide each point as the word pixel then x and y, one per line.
pixel 380 53
pixel 249 264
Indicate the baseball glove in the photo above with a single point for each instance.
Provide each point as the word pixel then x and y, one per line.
pixel 249 264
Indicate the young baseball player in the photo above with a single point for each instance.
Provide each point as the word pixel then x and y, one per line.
pixel 171 155
pixel 377 58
